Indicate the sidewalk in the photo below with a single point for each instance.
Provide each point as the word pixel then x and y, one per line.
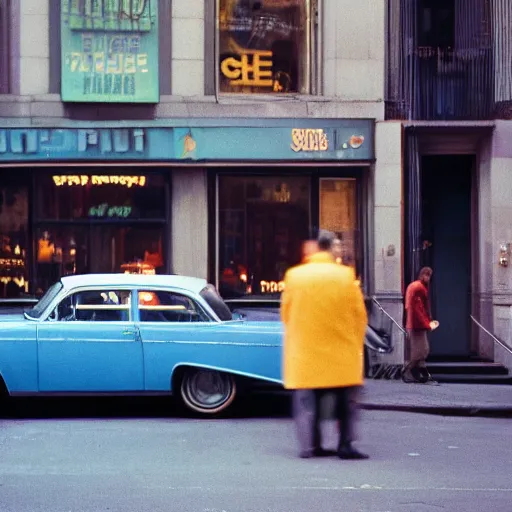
pixel 447 399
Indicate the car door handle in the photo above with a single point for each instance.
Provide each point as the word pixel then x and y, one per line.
pixel 132 332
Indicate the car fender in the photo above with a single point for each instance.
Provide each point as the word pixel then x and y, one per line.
pixel 181 367
pixel 4 390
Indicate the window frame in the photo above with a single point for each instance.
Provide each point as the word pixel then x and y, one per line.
pixel 65 292
pixel 207 317
pixel 129 291
pixel 7 17
pixel 361 173
pixel 212 57
pixel 37 223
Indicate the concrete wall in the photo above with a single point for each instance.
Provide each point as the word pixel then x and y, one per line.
pixel 34 47
pixel 387 232
pixel 189 222
pixel 485 252
pixel 388 207
pixel 188 48
pixel 501 214
pixel 352 66
pixel 354 48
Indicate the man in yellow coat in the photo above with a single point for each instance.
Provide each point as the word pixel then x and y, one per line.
pixel 325 319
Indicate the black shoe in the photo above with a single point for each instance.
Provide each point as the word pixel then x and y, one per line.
pixel 316 452
pixel 350 453
pixel 322 452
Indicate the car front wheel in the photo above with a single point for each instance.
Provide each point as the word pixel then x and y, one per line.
pixel 207 391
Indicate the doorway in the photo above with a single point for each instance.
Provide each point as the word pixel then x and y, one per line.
pixel 447 199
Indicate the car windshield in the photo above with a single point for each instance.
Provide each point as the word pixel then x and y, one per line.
pixel 214 300
pixel 38 310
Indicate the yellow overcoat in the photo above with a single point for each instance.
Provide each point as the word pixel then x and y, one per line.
pixel 325 321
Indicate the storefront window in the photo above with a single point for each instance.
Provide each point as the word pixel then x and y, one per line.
pixel 338 213
pixel 13 241
pixel 265 46
pixel 263 222
pixel 68 250
pixel 99 223
pixel 101 196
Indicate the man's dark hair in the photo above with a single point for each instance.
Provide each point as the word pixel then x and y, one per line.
pixel 425 271
pixel 325 240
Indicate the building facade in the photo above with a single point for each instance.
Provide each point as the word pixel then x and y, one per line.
pixel 210 137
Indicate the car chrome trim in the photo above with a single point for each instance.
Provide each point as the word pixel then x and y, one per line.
pixel 223 343
pixel 225 370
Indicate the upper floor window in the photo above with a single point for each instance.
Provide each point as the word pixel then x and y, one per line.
pixel 5 46
pixel 266 46
pixel 437 24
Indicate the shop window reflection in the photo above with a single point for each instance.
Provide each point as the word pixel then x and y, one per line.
pixel 61 251
pixel 13 241
pixel 264 46
pixel 68 250
pixel 338 213
pixel 262 224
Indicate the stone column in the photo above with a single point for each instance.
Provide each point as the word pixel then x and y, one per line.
pixel 189 244
pixel 188 48
pixel 387 228
pixel 34 47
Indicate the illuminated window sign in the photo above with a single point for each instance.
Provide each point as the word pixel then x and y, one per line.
pixel 265 46
pixel 105 210
pixel 98 180
pixel 253 69
pixel 272 286
pixel 309 140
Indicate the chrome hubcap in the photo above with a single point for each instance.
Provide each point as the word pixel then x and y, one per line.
pixel 208 389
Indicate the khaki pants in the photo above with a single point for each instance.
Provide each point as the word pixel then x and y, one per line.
pixel 419 350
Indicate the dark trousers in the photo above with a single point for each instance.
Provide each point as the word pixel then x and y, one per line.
pixel 307 415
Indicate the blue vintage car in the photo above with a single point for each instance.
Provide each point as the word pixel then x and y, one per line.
pixel 131 334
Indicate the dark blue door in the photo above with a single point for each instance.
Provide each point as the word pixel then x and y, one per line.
pixel 447 186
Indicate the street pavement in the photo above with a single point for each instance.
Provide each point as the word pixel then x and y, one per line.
pixel 136 456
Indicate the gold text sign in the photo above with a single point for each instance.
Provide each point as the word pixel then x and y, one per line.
pixel 308 139
pixel 272 286
pixel 253 69
pixel 84 180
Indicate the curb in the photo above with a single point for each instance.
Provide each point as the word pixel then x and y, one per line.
pixel 473 411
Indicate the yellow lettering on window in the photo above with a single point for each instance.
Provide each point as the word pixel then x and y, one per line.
pixel 309 140
pixel 297 140
pixel 244 73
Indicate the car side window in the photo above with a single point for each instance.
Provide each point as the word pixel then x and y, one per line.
pixel 95 306
pixel 162 306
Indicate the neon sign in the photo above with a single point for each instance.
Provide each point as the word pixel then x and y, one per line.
pixel 257 73
pixel 104 210
pixel 96 180
pixel 309 140
pixel 272 286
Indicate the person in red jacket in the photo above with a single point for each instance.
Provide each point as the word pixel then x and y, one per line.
pixel 418 324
